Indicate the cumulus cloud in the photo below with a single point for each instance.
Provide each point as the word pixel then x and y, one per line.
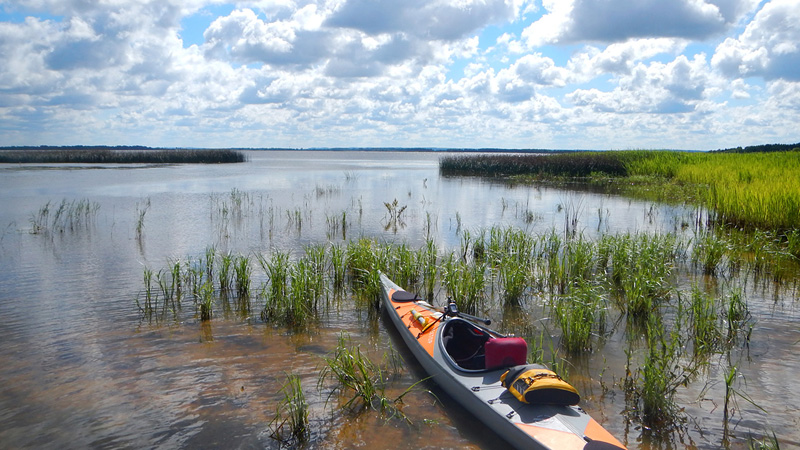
pixel 769 47
pixel 433 72
pixel 676 87
pixel 570 21
pixel 424 19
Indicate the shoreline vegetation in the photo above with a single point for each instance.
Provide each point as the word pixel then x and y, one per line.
pixel 118 155
pixel 741 188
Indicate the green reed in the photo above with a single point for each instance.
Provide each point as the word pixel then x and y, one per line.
pixel 337 260
pixel 148 308
pixel 225 274
pixel 205 301
pixel 465 282
pixel 581 315
pixel 768 442
pixel 650 390
pixel 708 252
pixel 141 211
pixel 67 216
pixel 641 269
pixel 706 332
pixel 365 258
pixel 428 260
pixel 243 274
pixel 356 375
pixel 291 422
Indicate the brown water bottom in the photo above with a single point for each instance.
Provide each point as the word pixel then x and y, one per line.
pixel 212 385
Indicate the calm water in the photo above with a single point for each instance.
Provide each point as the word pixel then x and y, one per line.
pixel 81 368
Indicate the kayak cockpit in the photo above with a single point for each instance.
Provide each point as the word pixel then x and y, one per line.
pixel 474 349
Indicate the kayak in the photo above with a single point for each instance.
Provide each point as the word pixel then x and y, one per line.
pixel 527 405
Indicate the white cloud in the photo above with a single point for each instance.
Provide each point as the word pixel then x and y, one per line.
pixel 355 72
pixel 676 87
pixel 768 47
pixel 570 21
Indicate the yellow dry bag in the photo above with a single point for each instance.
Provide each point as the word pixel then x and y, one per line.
pixel 535 384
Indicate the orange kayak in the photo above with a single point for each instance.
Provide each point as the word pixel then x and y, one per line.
pixel 474 365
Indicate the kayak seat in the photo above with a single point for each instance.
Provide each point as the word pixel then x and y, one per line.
pixel 505 352
pixel 464 343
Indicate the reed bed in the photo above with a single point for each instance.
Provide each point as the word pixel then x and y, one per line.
pixel 757 190
pixel 111 156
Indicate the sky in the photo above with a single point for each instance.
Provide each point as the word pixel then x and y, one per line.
pixel 555 74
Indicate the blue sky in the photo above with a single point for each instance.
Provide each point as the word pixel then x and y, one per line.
pixel 571 74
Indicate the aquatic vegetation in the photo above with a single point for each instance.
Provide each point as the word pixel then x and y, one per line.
pixel 118 155
pixel 356 375
pixel 760 190
pixel 141 211
pixel 291 422
pixel 650 389
pixel 581 315
pixel 67 216
pixel 465 282
pixel 706 333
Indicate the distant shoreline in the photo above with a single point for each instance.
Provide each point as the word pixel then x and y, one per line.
pixel 45 148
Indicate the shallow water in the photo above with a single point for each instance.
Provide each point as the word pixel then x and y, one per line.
pixel 81 368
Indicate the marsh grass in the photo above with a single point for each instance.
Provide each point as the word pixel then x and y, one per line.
pixel 109 155
pixel 650 389
pixel 67 216
pixel 757 190
pixel 465 282
pixel 581 315
pixel 141 211
pixel 356 376
pixel 290 425
pixel 706 330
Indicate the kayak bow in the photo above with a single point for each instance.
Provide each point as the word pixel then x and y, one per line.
pixel 470 361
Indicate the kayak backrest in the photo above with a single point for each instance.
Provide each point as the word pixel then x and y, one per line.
pixel 505 352
pixel 464 342
pixel 404 296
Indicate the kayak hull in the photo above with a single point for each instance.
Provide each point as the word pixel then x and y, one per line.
pixel 480 392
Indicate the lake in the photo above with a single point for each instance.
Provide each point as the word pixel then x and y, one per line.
pixel 82 367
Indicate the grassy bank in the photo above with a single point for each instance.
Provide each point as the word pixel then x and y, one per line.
pixel 760 190
pixel 115 156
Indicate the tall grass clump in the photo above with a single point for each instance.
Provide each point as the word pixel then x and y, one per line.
pixel 708 252
pixel 67 216
pixel 355 375
pixel 706 333
pixel 290 424
pixel 365 259
pixel 650 389
pixel 581 314
pixel 640 268
pixel 465 282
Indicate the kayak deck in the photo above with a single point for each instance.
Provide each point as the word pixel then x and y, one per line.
pixel 481 392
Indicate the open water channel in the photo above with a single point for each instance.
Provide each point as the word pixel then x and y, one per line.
pixel 81 367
